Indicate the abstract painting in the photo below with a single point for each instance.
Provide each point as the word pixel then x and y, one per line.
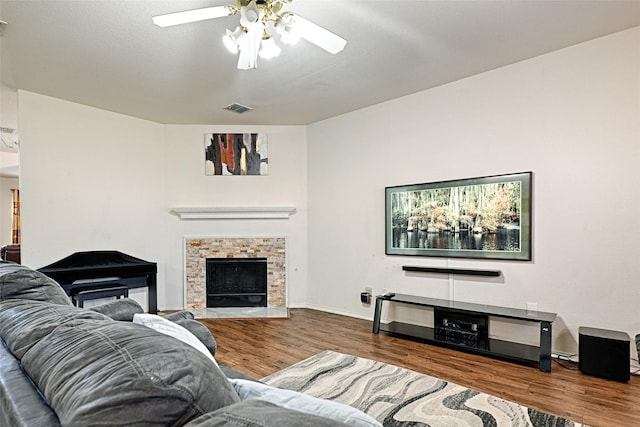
pixel 236 154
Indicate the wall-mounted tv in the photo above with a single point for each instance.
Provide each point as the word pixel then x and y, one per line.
pixel 487 217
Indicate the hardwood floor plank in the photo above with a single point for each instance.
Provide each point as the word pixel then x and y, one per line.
pixel 260 347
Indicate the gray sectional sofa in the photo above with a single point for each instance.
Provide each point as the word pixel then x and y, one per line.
pixel 63 365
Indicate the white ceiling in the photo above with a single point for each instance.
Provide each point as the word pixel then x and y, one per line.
pixel 108 54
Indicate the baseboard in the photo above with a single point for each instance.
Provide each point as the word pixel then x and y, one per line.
pixel 339 312
pixel 297 306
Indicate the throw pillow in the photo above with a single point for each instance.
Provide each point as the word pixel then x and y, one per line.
pixel 303 403
pixel 172 329
pixel 119 309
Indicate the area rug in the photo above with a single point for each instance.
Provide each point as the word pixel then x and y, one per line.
pixel 399 397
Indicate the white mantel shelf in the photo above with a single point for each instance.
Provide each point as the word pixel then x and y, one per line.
pixel 234 213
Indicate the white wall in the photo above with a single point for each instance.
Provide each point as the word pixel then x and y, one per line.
pixel 572 117
pixel 90 180
pixel 285 185
pixel 93 179
pixel 6 207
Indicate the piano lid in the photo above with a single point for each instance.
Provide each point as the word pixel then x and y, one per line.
pixel 95 264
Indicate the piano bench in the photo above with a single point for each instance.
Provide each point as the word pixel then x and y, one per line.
pixel 81 294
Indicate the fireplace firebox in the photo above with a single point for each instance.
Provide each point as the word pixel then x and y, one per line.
pixel 236 282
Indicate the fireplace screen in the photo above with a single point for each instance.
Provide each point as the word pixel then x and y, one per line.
pixel 236 282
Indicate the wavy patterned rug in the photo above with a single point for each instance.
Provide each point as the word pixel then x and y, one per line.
pixel 399 397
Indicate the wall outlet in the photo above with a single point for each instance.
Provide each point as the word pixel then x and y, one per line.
pixel 365 298
pixel 369 290
pixel 532 306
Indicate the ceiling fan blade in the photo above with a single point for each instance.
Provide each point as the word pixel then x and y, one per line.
pixel 193 15
pixel 319 36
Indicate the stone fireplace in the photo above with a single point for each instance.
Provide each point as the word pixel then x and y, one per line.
pixel 197 250
pixel 236 282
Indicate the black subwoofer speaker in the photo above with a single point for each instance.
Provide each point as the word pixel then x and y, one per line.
pixel 604 353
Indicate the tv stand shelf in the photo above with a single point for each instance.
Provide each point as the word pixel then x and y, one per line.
pixel 471 315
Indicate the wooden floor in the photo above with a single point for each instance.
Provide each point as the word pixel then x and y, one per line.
pixel 260 347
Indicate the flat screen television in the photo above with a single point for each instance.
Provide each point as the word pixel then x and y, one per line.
pixel 487 217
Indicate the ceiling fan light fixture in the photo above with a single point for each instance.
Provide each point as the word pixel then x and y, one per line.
pixel 269 49
pixel 251 38
pixel 251 15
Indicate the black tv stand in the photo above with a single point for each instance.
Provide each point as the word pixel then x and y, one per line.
pixel 465 326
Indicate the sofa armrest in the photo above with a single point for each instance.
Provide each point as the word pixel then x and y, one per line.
pixel 21 404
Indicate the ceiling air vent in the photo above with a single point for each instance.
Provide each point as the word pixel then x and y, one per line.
pixel 238 108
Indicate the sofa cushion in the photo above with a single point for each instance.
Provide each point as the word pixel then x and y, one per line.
pixel 119 373
pixel 25 322
pixel 185 319
pixel 178 315
pixel 19 281
pixel 258 413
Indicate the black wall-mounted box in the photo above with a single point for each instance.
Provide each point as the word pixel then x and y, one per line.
pixel 604 353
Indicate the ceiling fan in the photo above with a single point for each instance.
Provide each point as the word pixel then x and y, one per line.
pixel 252 37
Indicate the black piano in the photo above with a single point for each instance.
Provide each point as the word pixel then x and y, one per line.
pixel 81 269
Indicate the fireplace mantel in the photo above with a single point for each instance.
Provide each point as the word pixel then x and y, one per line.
pixel 234 212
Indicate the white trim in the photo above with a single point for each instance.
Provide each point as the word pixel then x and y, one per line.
pixel 336 311
pixel 266 212
pixel 184 272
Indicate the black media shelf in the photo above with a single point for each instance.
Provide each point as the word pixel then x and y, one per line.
pixel 500 349
pixel 462 271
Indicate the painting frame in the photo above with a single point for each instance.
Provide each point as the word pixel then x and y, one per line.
pixel 488 217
